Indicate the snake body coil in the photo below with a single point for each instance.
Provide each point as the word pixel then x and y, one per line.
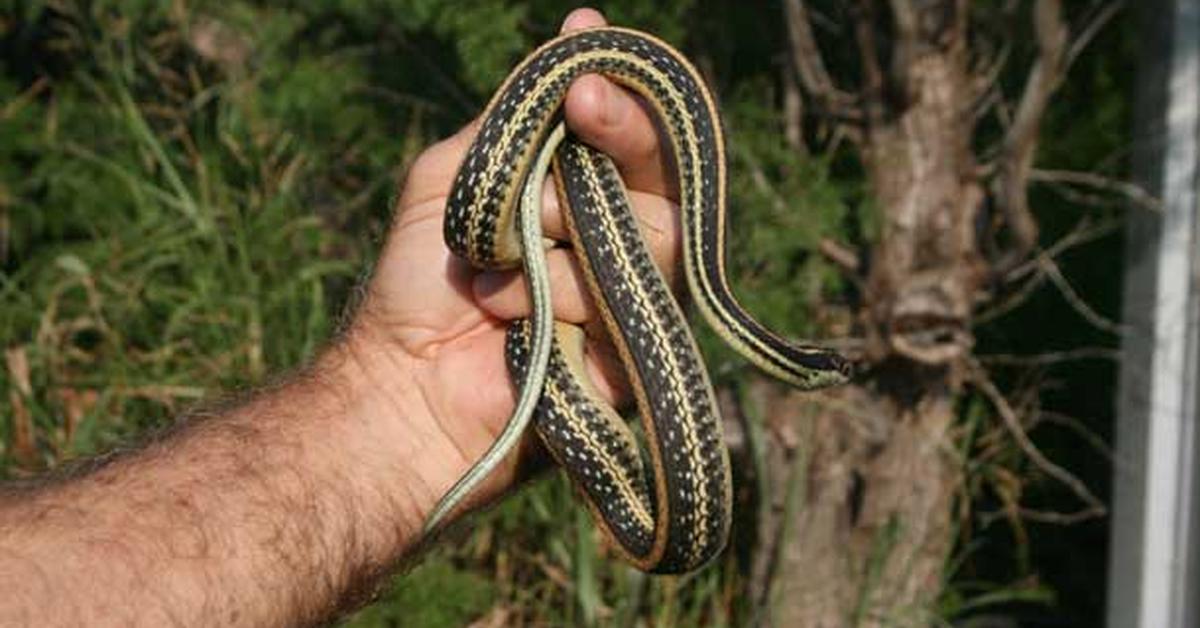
pixel 672 514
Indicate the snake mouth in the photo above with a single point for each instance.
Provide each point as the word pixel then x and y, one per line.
pixel 833 362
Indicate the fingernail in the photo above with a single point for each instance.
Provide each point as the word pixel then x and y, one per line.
pixel 575 19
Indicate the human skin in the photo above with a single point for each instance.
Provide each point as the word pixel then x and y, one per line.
pixel 290 507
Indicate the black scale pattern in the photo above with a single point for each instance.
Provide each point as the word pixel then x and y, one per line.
pixel 675 381
pixel 478 226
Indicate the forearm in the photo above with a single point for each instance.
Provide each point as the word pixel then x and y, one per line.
pixel 270 513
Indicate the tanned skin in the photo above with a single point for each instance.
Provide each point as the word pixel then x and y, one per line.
pixel 290 507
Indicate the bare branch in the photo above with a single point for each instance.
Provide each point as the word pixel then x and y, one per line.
pixel 1093 26
pixel 1093 506
pixel 904 46
pixel 905 17
pixel 1021 140
pixel 809 64
pixel 984 80
pixel 841 255
pixel 1083 232
pixel 1011 302
pixel 793 109
pixel 1055 55
pixel 864 34
pixel 1055 58
pixel 838 134
pixel 1077 303
pixel 24 98
pixel 1048 269
pixel 985 102
pixel 1050 357
pixel 805 53
pixel 1062 518
pixel 1137 194
pixel 1080 197
pixel 1075 425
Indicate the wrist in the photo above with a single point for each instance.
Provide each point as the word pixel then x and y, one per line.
pixel 394 435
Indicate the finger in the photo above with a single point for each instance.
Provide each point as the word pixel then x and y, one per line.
pixel 503 294
pixel 583 18
pixel 615 122
pixel 554 224
pixel 658 221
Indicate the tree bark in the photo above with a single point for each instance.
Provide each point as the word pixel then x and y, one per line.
pixel 870 541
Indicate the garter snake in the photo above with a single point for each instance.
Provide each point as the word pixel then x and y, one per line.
pixel 667 511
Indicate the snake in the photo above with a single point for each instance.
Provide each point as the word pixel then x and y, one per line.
pixel 665 504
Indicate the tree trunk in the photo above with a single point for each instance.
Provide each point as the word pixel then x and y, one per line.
pixel 871 537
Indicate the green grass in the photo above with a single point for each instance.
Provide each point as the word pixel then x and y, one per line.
pixel 433 594
pixel 153 243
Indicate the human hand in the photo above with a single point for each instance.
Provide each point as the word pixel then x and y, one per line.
pixel 433 322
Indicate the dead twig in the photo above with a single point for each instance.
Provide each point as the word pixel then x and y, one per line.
pixel 1083 232
pixel 1093 506
pixel 810 65
pixel 1092 26
pixel 793 108
pixel 1021 140
pixel 1097 320
pixel 1056 53
pixel 842 256
pixel 985 79
pixel 872 71
pixel 1050 358
pixel 1137 194
pixel 1075 425
pixel 23 431
pixel 26 97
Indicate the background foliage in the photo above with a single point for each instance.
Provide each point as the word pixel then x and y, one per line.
pixel 189 192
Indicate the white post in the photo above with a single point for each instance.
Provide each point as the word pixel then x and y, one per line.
pixel 1153 559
